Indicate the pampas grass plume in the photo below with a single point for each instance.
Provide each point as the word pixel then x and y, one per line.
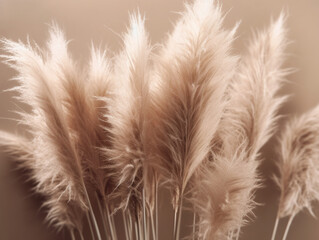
pixel 56 166
pixel 223 196
pixel 194 68
pixel 298 177
pixel 251 114
pixel 127 117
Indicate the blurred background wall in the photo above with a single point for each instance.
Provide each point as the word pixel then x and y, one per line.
pixel 100 22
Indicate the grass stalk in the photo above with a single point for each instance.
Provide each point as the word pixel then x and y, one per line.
pixel 125 225
pixel 275 228
pixel 109 220
pixel 230 235
pixel 130 223
pixel 72 234
pixel 238 233
pixel 288 227
pixel 177 218
pixel 102 214
pixel 153 225
pixel 92 214
pixel 194 225
pixel 144 215
pixel 81 235
pixel 156 210
pixel 136 230
pixel 140 227
pixel 90 226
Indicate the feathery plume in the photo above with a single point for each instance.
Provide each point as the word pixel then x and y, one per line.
pixel 223 195
pixel 298 164
pixel 194 69
pixel 246 125
pixel 82 103
pixel 56 167
pixel 126 116
pixel 253 104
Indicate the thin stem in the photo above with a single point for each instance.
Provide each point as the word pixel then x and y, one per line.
pixel 231 235
pixel 288 226
pixel 113 226
pixel 139 223
pixel 109 221
pixel 194 224
pixel 129 217
pixel 125 225
pixel 92 215
pixel 156 210
pixel 102 214
pixel 175 222
pixel 275 229
pixel 136 230
pixel 148 225
pixel 72 234
pixel 90 225
pixel 238 233
pixel 153 225
pixel 81 235
pixel 144 214
pixel 179 215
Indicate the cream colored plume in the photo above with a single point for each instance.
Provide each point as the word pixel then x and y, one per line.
pixel 299 164
pixel 127 112
pixel 82 95
pixel 246 125
pixel 56 166
pixel 253 102
pixel 193 70
pixel 224 195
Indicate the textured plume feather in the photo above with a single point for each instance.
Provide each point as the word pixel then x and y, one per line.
pixel 18 146
pixel 246 125
pixel 56 167
pixel 127 116
pixel 194 69
pixel 223 195
pixel 298 164
pixel 82 104
pixel 253 104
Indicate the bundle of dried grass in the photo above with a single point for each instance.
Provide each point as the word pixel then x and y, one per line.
pixel 192 118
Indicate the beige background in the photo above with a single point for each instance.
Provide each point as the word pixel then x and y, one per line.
pixel 100 21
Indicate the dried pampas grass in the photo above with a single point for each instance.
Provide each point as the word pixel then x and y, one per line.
pixel 251 113
pixel 192 73
pixel 126 165
pixel 55 163
pixel 223 196
pixel 127 116
pixel 188 116
pixel 80 110
pixel 247 123
pixel 298 177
